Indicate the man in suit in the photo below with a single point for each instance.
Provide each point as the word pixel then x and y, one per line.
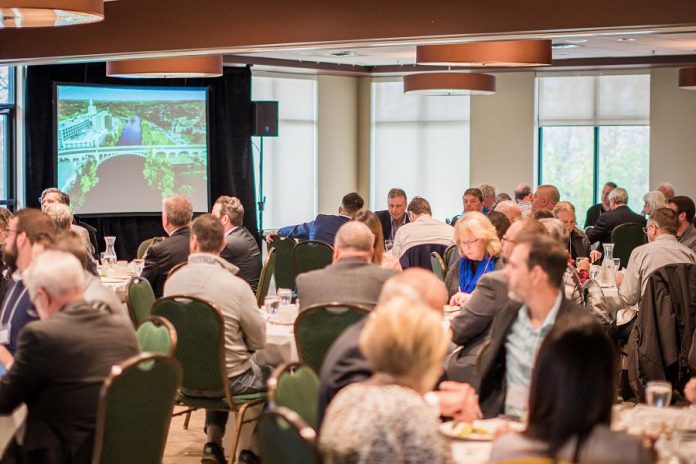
pixel 600 208
pixel 395 215
pixel 620 214
pixel 60 365
pixel 352 278
pixel 324 226
pixel 177 212
pixel 535 281
pixel 241 248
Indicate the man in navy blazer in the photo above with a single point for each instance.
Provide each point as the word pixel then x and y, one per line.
pixel 619 214
pixel 395 215
pixel 324 226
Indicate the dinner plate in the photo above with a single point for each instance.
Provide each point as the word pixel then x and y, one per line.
pixel 465 431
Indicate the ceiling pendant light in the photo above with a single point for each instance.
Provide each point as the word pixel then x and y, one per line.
pixel 175 67
pixel 449 83
pixel 687 78
pixel 506 53
pixel 49 13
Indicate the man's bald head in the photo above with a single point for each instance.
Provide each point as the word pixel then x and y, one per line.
pixel 354 240
pixel 418 285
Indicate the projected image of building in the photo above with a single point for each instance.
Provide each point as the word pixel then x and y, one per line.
pixel 86 130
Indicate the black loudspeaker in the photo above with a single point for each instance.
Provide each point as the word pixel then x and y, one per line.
pixel 264 119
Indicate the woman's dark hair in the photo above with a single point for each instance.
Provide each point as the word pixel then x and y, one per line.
pixel 500 222
pixel 573 384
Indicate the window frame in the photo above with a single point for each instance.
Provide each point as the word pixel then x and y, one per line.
pixel 8 111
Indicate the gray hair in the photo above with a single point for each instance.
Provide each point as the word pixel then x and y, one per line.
pixel 487 190
pixel 655 200
pixel 178 210
pixel 356 236
pixel 57 272
pixel 506 206
pixel 554 228
pixel 521 191
pixel 60 214
pixel 619 196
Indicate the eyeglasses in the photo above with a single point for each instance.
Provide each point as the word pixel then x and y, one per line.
pixel 468 242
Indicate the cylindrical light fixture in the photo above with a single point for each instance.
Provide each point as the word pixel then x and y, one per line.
pixel 180 66
pixel 449 83
pixel 499 53
pixel 49 13
pixel 687 78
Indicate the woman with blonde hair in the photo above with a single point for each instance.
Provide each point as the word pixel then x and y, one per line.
pixel 479 250
pixel 380 258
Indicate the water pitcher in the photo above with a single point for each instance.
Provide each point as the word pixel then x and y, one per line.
pixel 109 259
pixel 608 266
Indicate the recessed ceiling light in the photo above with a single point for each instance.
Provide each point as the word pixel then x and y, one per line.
pixel 626 39
pixel 564 45
pixel 575 41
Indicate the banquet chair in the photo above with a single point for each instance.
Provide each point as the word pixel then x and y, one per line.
pixel 419 255
pixel 284 270
pixel 200 350
pixel 157 335
pixel 295 386
pixel 318 326
pixel 265 278
pixel 310 255
pixel 134 410
pixel 285 438
pixel 139 299
pixel 438 265
pixel 447 257
pixel 625 238
pixel 145 245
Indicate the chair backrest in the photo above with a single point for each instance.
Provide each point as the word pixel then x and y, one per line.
pixel 318 326
pixel 145 245
pixel 139 299
pixel 625 238
pixel 309 255
pixel 135 408
pixel 173 270
pixel 437 265
pixel 284 270
pixel 200 343
pixel 296 387
pixel 265 278
pixel 285 438
pixel 157 335
pixel 419 255
pixel 448 255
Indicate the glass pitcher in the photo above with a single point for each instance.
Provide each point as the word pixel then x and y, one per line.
pixel 608 265
pixel 109 258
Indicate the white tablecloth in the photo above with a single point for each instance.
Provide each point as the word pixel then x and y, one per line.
pixel 470 452
pixel 280 346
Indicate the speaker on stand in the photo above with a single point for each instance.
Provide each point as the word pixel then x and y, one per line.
pixel 264 123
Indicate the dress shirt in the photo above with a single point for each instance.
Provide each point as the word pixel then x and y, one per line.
pixel 688 238
pixel 521 348
pixel 646 259
pixel 424 230
pixel 395 226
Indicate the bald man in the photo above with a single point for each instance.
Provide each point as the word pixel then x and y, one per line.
pixel 545 197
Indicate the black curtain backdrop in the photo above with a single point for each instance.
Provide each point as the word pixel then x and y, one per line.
pixel 230 158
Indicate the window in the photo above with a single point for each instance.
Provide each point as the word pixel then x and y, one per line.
pixel 7 110
pixel 289 160
pixel 594 129
pixel 419 144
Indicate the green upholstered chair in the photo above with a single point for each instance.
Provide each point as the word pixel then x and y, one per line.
pixel 309 255
pixel 285 438
pixel 284 270
pixel 265 278
pixel 318 326
pixel 157 335
pixel 447 258
pixel 145 245
pixel 438 265
pixel 200 350
pixel 296 387
pixel 135 409
pixel 625 238
pixel 139 299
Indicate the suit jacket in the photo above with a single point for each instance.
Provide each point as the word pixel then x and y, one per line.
pixel 608 221
pixel 323 228
pixel 242 250
pixel 163 256
pixel 59 368
pixel 385 221
pixel 593 213
pixel 347 281
pixel 493 387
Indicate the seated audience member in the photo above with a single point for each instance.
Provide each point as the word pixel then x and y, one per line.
pixel 422 230
pixel 395 215
pixel 241 248
pixel 386 418
pixel 345 364
pixel 324 226
pixel 5 271
pixel 177 212
pixel 60 364
pixel 652 201
pixel 471 325
pixel 479 249
pixel 540 214
pixel 570 403
pixel 500 222
pixel 352 277
pixel 509 208
pixel 667 190
pixel 619 214
pixel 380 258
pixel 686 232
pixel 502 197
pixel 595 211
pixel 523 197
pixel 545 197
pixel 213 279
pixel 488 194
pixel 87 233
pixel 571 278
pixel 575 239
pixel 473 201
pixel 662 249
pixel 62 219
pixel 535 278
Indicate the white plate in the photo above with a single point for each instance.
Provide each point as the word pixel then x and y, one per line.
pixel 485 429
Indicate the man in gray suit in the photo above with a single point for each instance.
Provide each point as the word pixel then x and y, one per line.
pixel 352 278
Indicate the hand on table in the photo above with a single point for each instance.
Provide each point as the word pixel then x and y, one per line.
pixel 458 400
pixel 460 299
pixel 690 390
pixel 619 279
pixel 595 256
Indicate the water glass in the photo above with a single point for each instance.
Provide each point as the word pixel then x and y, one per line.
pixel 617 263
pixel 594 271
pixel 271 304
pixel 658 393
pixel 285 295
pixel 388 244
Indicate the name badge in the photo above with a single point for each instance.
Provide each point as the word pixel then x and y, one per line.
pixel 4 336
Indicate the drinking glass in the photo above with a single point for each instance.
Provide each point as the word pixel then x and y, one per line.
pixel 285 295
pixel 594 271
pixel 388 244
pixel 271 304
pixel 686 445
pixel 617 263
pixel 658 393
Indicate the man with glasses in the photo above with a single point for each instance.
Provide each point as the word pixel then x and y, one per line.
pixel 422 229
